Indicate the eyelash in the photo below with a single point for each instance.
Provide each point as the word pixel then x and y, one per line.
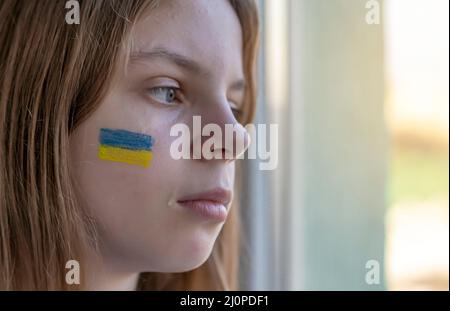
pixel 175 93
pixel 236 111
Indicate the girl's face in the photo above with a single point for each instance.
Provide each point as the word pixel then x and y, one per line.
pixel 186 61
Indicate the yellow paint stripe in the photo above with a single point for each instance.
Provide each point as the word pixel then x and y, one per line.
pixel 134 157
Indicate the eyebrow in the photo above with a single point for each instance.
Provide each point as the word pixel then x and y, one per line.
pixel 239 85
pixel 180 61
pixel 173 57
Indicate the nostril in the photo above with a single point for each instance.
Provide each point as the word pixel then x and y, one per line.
pixel 226 141
pixel 240 140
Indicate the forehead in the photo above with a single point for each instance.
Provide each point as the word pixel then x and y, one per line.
pixel 208 31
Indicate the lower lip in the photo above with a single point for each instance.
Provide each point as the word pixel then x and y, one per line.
pixel 207 209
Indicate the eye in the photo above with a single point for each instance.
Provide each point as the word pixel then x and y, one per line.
pixel 237 111
pixel 165 94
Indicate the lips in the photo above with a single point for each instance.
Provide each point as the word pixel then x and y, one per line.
pixel 211 204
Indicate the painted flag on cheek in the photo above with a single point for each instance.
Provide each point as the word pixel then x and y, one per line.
pixel 125 147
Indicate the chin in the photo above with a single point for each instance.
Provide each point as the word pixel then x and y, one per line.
pixel 189 257
pixel 184 264
pixel 188 266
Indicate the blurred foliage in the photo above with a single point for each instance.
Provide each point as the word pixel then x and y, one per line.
pixel 418 174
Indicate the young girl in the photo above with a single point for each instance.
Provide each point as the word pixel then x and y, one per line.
pixel 86 173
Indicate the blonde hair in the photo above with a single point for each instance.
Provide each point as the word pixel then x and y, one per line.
pixel 54 75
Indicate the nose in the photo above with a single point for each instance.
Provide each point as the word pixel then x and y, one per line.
pixel 223 137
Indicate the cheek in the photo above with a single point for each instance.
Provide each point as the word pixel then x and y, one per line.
pixel 130 203
pixel 119 175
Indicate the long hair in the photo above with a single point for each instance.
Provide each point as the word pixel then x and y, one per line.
pixel 53 76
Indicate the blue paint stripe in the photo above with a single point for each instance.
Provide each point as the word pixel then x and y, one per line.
pixel 125 139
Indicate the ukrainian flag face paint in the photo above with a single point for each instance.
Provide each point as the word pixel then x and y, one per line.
pixel 125 147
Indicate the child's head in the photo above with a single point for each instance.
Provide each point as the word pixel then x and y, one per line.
pixel 86 111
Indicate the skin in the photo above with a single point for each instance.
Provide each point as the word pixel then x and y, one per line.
pixel 141 227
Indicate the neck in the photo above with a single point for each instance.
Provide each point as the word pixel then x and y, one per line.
pixel 102 275
pixel 112 282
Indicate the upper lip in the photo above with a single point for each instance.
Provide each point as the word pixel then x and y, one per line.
pixel 217 195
